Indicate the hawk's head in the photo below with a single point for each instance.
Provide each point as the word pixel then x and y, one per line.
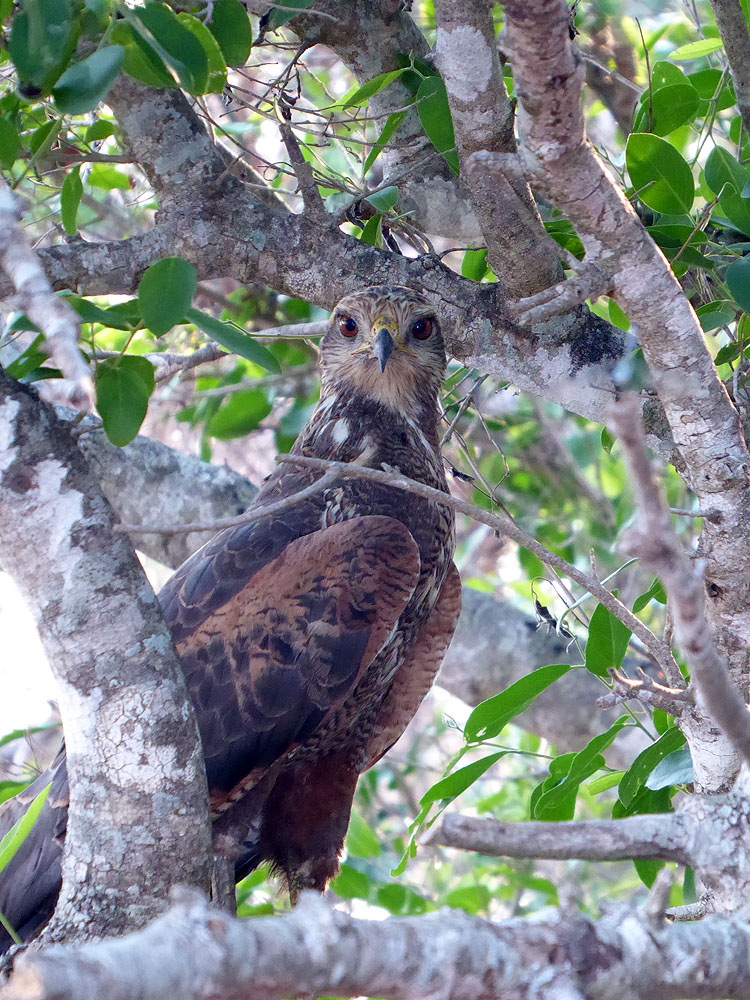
pixel 385 341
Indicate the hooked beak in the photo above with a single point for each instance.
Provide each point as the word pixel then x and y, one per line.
pixel 382 348
pixel 383 344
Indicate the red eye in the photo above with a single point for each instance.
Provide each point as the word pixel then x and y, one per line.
pixel 422 329
pixel 348 326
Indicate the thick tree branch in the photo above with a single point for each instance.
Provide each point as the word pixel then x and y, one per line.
pixel 664 837
pixel 195 953
pixel 705 426
pixel 733 29
pixel 656 544
pixel 139 819
pixel 523 256
pixel 54 316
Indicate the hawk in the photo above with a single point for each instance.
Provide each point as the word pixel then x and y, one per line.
pixel 308 637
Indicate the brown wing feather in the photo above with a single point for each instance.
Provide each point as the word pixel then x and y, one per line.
pixel 267 666
pixel 419 669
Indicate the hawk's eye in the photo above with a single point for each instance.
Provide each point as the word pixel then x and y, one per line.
pixel 422 329
pixel 348 326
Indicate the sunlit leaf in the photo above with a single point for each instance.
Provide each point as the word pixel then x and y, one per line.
pixel 435 116
pixel 165 293
pixel 85 84
pixel 230 26
pixel 234 340
pixel 660 175
pixel 489 718
pixel 123 388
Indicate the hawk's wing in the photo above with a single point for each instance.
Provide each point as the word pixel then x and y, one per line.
pixel 272 641
pixel 419 669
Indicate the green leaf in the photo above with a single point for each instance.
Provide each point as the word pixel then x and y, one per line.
pixel 141 61
pixel 123 388
pixel 361 842
pixel 472 899
pixel 696 50
pixel 659 173
pixel 91 313
pixel 712 85
pixel 217 68
pixel 234 340
pixel 372 232
pixel 474 264
pixel 85 84
pixel 361 95
pixel 351 884
pixel 489 718
pixel 390 127
pixel 231 28
pixel 654 593
pixel 665 74
pixel 22 734
pixel 20 830
pixel 177 47
pixel 277 18
pixel 607 440
pixel 240 415
pixel 107 177
pixel 737 277
pixel 70 198
pixel 435 117
pixel 558 798
pixel 165 293
pixel 10 143
pixel 722 168
pixel 607 642
pixel 458 781
pixel 384 200
pixel 42 38
pixel 671 107
pixel 635 778
pixel 675 769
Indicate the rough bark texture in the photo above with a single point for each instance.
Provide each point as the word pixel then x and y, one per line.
pixel 139 804
pixel 704 423
pixel 198 953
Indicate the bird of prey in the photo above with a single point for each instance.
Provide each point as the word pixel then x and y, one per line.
pixel 308 637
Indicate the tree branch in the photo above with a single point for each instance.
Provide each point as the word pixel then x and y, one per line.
pixel 660 836
pixel 705 425
pixel 54 316
pixel 657 546
pixel 732 26
pixel 196 952
pixel 523 256
pixel 129 726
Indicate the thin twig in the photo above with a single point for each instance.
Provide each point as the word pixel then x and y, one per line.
pixel 254 514
pixel 504 526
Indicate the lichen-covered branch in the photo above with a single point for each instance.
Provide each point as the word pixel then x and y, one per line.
pixel 196 952
pixel 733 29
pixel 523 256
pixel 664 837
pixel 705 426
pixel 656 544
pixel 54 316
pixel 138 819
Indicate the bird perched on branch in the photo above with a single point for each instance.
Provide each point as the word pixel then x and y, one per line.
pixel 308 637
